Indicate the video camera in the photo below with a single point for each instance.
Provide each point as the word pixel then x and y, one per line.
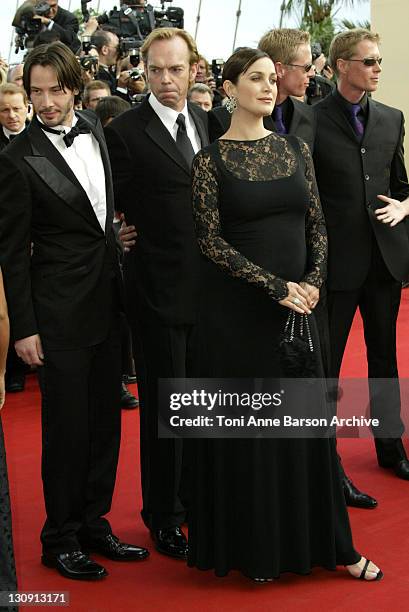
pixel 133 22
pixel 217 71
pixel 27 27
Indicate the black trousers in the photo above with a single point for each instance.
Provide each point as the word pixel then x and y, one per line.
pixel 81 428
pixel 167 353
pixel 378 300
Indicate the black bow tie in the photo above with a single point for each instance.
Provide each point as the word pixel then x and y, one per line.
pixel 81 127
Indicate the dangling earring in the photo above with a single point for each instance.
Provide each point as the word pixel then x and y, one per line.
pixel 231 104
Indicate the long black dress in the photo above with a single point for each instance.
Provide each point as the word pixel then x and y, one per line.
pixel 262 506
pixel 7 567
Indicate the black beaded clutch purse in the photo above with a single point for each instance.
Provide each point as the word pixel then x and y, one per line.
pixel 298 355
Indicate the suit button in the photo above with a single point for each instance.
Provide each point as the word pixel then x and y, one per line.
pixel 367 177
pixel 363 150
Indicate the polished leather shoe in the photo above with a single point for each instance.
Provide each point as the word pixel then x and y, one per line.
pixel 400 467
pixel 171 541
pixel 355 498
pixel 15 383
pixel 111 547
pixel 75 565
pixel 128 400
pixel 392 454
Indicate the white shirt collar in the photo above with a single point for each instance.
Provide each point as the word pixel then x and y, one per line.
pixel 7 132
pixel 166 114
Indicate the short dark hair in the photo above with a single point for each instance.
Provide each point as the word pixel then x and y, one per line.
pixel 59 57
pixel 46 37
pixel 240 62
pixel 110 107
pixel 101 38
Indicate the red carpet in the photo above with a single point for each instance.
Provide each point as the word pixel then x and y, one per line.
pixel 162 584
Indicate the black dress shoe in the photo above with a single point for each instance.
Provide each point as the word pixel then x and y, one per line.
pixel 111 547
pixel 128 400
pixel 75 565
pixel 355 498
pixel 392 454
pixel 15 383
pixel 171 541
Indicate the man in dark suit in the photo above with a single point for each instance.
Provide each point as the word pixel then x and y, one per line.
pixel 359 165
pixel 151 149
pixel 56 200
pixel 291 53
pixel 13 112
pixel 64 23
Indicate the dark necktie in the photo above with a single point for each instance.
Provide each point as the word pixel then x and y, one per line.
pixel 356 122
pixel 182 140
pixel 11 136
pixel 279 120
pixel 81 127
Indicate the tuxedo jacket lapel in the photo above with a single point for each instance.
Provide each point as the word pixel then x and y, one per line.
pixel 109 190
pixel 51 167
pixel 161 136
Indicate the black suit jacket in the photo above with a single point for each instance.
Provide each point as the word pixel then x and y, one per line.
pixel 64 291
pixel 302 122
pixel 4 141
pixel 152 183
pixel 67 26
pixel 350 175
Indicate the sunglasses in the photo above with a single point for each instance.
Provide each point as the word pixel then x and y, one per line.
pixel 305 67
pixel 368 61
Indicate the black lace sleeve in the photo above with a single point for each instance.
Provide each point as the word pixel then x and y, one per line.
pixel 315 230
pixel 208 231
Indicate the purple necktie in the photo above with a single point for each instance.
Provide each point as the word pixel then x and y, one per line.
pixel 356 122
pixel 278 120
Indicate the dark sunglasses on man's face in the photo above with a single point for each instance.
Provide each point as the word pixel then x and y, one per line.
pixel 305 67
pixel 368 61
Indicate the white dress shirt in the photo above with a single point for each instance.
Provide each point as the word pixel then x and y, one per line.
pixel 84 159
pixel 168 117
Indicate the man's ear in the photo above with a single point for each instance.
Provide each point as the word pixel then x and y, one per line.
pixel 192 74
pixel 342 66
pixel 280 69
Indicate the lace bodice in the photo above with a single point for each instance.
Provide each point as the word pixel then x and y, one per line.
pixel 264 160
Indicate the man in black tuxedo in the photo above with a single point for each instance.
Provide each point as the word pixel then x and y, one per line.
pixel 62 22
pixel 151 149
pixel 56 200
pixel 291 53
pixel 364 192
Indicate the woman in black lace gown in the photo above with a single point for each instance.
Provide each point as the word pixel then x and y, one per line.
pixel 261 506
pixel 7 568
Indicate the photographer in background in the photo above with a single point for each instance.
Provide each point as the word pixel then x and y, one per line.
pixel 320 86
pixel 62 21
pixel 94 91
pixel 107 46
